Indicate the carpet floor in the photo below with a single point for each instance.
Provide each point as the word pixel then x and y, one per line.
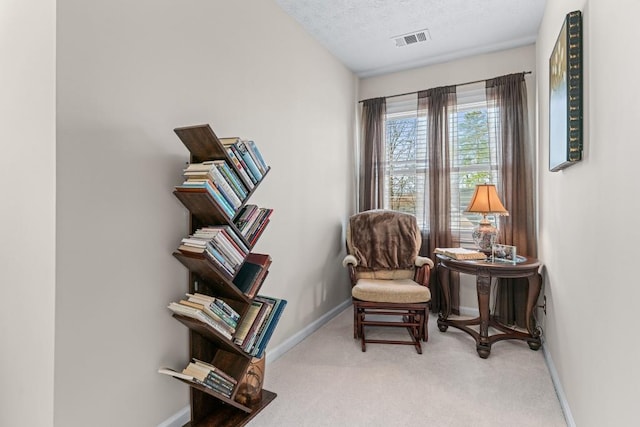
pixel 326 380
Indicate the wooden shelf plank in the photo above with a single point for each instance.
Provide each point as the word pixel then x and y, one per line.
pixel 217 395
pixel 227 416
pixel 202 143
pixel 203 206
pixel 210 333
pixel 212 276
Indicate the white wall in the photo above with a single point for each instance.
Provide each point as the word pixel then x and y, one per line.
pixel 474 68
pixel 128 73
pixel 27 215
pixel 588 238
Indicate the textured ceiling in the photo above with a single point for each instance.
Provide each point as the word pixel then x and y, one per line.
pixel 360 32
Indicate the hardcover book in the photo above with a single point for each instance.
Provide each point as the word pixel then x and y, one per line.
pixel 461 253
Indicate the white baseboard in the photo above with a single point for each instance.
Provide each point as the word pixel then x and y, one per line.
pixel 564 404
pixel 178 419
pixel 288 344
pixel 183 416
pixel 557 385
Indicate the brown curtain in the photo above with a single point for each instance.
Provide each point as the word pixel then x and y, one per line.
pixel 516 160
pixel 371 188
pixel 437 106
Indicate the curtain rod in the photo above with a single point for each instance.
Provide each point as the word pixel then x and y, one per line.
pixel 416 91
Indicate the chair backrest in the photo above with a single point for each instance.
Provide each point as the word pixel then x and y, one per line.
pixel 383 240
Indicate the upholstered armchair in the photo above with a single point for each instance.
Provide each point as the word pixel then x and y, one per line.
pixel 388 277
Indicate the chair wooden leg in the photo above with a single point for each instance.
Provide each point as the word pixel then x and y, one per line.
pixel 361 331
pixel 355 321
pixel 426 325
pixel 414 320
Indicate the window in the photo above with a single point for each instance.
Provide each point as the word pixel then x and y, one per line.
pixel 473 158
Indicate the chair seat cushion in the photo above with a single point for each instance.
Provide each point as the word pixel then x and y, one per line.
pixel 393 291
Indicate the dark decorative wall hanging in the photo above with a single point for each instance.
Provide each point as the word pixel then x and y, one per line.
pixel 565 95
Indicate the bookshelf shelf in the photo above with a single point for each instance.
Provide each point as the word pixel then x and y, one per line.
pixel 217 396
pixel 226 416
pixel 217 281
pixel 211 208
pixel 205 210
pixel 212 335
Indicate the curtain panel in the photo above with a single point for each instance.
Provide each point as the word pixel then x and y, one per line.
pixel 516 159
pixel 371 188
pixel 436 106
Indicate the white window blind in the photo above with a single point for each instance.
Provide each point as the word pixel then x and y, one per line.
pixel 472 149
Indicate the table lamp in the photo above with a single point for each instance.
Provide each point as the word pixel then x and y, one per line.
pixel 485 201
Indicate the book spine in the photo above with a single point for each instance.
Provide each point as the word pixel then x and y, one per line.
pixel 258 154
pixel 244 164
pixel 227 309
pixel 248 211
pixel 235 241
pixel 232 179
pixel 218 260
pixel 254 157
pixel 244 154
pixel 222 382
pixel 243 173
pixel 217 371
pixel 252 349
pixel 257 323
pixel 223 316
pixel 199 315
pixel 224 187
pixel 273 322
pixel 215 387
pixel 230 235
pixel 251 219
pixel 255 233
pixel 223 250
pixel 230 248
pixel 231 329
pixel 209 321
pixel 246 322
pixel 257 284
pixel 195 241
pixel 227 209
pixel 213 250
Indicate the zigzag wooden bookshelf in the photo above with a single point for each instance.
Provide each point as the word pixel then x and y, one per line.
pixel 209 408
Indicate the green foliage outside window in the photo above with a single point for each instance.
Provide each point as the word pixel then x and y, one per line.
pixel 473 146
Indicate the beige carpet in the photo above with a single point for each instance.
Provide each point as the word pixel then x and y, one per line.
pixel 327 381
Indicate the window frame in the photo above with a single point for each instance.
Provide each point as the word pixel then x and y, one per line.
pixel 469 100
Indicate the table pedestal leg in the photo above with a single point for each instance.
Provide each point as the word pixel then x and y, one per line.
pixel 532 299
pixel 443 279
pixel 483 283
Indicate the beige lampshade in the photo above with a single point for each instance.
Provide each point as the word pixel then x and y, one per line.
pixel 485 200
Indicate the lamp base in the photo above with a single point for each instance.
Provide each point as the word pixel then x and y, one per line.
pixel 484 236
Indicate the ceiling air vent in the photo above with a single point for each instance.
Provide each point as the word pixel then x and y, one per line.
pixel 412 38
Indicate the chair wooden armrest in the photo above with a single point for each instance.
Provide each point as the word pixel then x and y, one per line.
pixel 423 274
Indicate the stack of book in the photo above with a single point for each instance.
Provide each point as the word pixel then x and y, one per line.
pixel 205 374
pixel 219 180
pixel 209 310
pixel 461 253
pixel 251 221
pixel 258 323
pixel 247 158
pixel 220 244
